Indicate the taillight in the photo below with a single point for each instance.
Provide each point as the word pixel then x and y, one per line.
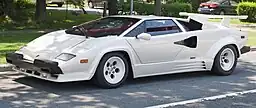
pixel 204 4
pixel 213 5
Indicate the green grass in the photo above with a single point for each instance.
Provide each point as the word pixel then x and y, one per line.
pixel 252 38
pixel 9 42
pixel 233 21
pixel 13 41
pixel 55 19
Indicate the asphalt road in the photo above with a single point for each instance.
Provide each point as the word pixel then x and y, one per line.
pixel 16 90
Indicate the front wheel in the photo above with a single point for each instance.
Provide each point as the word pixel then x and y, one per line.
pixel 225 61
pixel 112 71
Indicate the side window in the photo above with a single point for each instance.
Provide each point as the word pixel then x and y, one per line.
pixel 233 3
pixel 161 27
pixel 137 30
pixel 225 2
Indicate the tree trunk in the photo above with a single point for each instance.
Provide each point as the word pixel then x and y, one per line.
pixel 158 7
pixel 195 5
pixel 8 8
pixel 40 14
pixel 112 6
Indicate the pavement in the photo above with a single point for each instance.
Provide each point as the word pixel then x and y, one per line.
pixel 17 90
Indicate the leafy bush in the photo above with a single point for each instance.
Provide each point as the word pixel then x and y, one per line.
pixel 24 4
pixel 247 8
pixel 175 8
pixel 167 9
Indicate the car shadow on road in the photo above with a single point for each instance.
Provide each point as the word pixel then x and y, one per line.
pixel 164 88
pixel 87 86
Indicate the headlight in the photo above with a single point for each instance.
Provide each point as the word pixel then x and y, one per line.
pixel 65 56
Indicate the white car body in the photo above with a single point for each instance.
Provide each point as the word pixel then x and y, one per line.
pixel 156 55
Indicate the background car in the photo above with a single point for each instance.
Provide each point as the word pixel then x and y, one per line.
pixel 58 2
pixel 98 3
pixel 221 7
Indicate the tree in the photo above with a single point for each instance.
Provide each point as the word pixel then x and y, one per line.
pixel 158 7
pixel 7 8
pixel 112 6
pixel 40 14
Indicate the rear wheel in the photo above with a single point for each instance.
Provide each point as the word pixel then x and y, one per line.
pixel 112 71
pixel 225 61
pixel 60 4
pixel 222 12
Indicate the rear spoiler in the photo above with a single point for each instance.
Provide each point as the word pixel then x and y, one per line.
pixel 204 18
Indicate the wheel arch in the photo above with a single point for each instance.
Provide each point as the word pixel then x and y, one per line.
pixel 230 40
pixel 213 51
pixel 127 55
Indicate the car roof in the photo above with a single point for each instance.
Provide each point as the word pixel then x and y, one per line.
pixel 143 17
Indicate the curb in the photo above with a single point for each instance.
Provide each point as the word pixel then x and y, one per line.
pixel 5 67
pixel 253 48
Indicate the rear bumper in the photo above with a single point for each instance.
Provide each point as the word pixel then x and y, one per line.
pixel 245 49
pixel 45 66
pixel 207 11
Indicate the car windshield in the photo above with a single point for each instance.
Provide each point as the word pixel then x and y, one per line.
pixel 103 27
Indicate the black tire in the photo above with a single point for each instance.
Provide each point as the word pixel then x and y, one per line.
pixel 217 69
pixel 99 78
pixel 90 4
pixel 60 4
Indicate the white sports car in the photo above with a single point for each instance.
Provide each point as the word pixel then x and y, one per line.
pixel 110 49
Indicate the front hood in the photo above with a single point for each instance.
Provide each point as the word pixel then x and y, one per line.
pixel 50 45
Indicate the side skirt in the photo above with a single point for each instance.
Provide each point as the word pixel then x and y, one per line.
pixel 143 70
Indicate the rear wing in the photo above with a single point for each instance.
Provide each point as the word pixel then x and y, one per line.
pixel 204 18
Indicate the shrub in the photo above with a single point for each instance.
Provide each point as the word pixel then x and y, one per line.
pixel 167 9
pixel 247 8
pixel 175 8
pixel 24 4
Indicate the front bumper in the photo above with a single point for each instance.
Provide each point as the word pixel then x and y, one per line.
pixel 245 49
pixel 46 66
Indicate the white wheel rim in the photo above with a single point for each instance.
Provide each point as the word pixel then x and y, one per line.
pixel 114 70
pixel 227 59
pixel 222 13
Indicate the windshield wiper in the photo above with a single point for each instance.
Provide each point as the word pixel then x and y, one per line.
pixel 82 30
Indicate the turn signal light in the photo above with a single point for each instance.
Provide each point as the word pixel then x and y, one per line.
pixel 84 61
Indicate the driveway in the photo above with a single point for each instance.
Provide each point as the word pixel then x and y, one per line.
pixel 88 10
pixel 209 90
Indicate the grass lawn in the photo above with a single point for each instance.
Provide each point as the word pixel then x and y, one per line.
pixel 252 38
pixel 55 19
pixel 13 41
pixel 233 21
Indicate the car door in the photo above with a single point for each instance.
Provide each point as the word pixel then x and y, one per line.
pixel 226 7
pixel 160 48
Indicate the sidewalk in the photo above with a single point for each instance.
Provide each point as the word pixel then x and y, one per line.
pixel 247 27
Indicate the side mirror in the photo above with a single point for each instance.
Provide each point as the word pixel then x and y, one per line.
pixel 144 36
